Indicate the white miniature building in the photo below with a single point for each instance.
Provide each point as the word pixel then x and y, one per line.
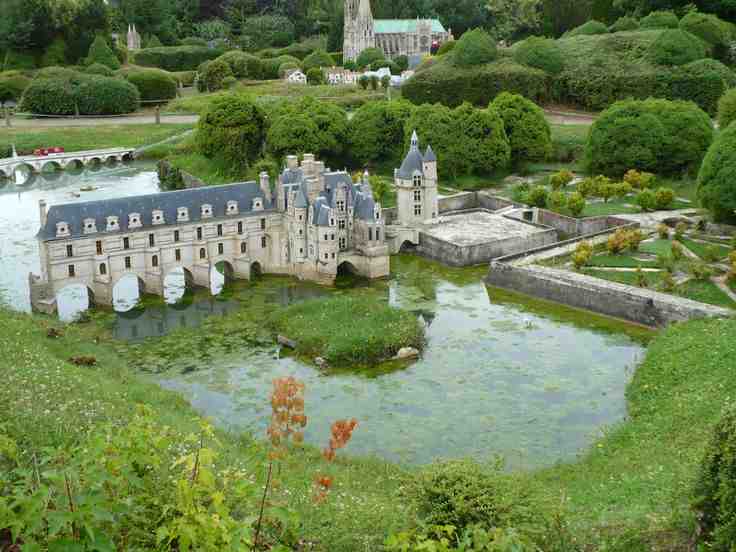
pixel 296 77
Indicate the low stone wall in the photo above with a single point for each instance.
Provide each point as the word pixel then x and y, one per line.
pixel 577 227
pixel 494 203
pixel 638 305
pixel 457 202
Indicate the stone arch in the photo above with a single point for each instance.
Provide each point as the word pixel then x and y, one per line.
pixel 129 296
pixel 5 172
pixel 93 162
pixel 407 246
pixel 222 273
pixel 110 160
pixel 74 165
pixel 73 299
pixel 256 270
pixel 347 268
pixel 127 157
pixel 50 163
pixel 173 292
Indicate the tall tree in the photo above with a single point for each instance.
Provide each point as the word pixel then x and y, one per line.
pixel 462 15
pixel 563 15
pixel 513 19
pixel 237 12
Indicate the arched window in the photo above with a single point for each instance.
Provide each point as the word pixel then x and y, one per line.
pixel 202 253
pixel 243 247
pixel 103 268
pixel 154 261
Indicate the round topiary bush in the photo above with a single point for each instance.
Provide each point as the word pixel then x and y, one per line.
pixel 193 41
pixel 591 27
pixel 318 58
pixel 100 52
pixel 215 72
pixel 376 131
pixel 106 96
pixel 625 23
pixel 706 27
pixel 153 84
pixel 293 135
pixel 660 20
pixel 675 47
pixel 56 73
pixel 12 85
pixel 368 56
pixel 244 66
pixel 446 47
pixel 99 69
pixel 715 488
pixel 716 180
pixel 232 130
pixel 526 127
pixel 49 96
pixel 315 76
pixel 475 47
pixel 727 108
pixel 541 53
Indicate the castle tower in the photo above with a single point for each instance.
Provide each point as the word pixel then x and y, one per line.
pixel 416 185
pixel 358 28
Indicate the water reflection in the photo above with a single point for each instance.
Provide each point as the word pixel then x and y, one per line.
pixel 126 293
pixel 72 301
pixel 175 286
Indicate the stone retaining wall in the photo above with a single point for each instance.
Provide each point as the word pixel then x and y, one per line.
pixel 638 305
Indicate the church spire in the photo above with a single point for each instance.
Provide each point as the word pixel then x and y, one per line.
pixel 414 141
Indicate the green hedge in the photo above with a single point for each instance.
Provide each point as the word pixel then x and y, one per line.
pixel 186 78
pixel 475 47
pixel 451 86
pixel 18 61
pixel 175 58
pixel 716 185
pixel 99 69
pixel 625 23
pixel 317 59
pixel 588 28
pixel 726 107
pixel 660 20
pixel 676 47
pixel 12 85
pixel 153 84
pixel 100 52
pixel 540 53
pixel 243 65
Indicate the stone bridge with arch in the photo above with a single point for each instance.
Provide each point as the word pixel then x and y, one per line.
pixel 39 163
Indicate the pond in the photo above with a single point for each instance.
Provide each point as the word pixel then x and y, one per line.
pixel 499 375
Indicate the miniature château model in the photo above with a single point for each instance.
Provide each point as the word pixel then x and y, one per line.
pixel 316 221
pixel 416 186
pixel 134 39
pixel 395 37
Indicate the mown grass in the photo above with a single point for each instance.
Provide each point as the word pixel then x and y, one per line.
pixel 701 249
pixel 622 261
pixel 89 138
pixel 348 330
pixel 628 277
pixel 705 291
pixel 656 247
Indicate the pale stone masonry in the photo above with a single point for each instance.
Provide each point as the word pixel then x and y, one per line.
pixel 316 221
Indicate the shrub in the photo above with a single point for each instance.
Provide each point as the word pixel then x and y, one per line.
pixel 660 20
pixel 712 253
pixel 655 135
pixel 607 191
pixel 582 254
pixel 676 251
pixel 587 187
pixel 193 41
pixel 185 78
pixel 446 47
pixel 703 81
pixel 292 135
pixel 635 238
pixel 153 84
pixel 561 179
pixel 57 73
pixel 680 229
pixel 647 200
pixel 667 283
pixel 19 61
pixel 461 493
pixel 315 76
pixel 318 58
pixel 376 65
pixel 229 82
pixel 622 189
pixel 175 58
pixel 699 270
pixel 475 47
pixel 663 198
pixel 376 131
pixel 591 27
pixel 100 52
pixel 716 185
pixel 707 27
pixel 243 66
pixel 727 108
pixel 368 56
pixel 402 62
pixel 618 241
pixel 675 47
pixel 55 54
pixel 215 72
pixel 12 85
pixel 638 180
pixel 557 200
pixel 526 127
pixel 266 31
pixel 232 130
pixel 663 231
pixel 287 67
pixel 625 23
pixel 99 69
pixel 537 196
pixel 540 53
pixel 640 278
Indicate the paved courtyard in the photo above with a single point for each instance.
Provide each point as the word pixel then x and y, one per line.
pixel 479 227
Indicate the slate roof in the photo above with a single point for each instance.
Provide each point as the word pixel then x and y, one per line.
pixel 412 162
pixel 429 155
pixel 403 26
pixel 74 214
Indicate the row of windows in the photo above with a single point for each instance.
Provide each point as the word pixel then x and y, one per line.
pixel 177 255
pixel 152 238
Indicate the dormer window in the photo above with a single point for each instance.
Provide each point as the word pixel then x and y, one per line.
pixel 157 217
pixel 232 208
pixel 257 204
pixel 206 210
pixel 90 226
pixel 182 214
pixel 62 229
pixel 378 213
pixel 332 222
pixel 134 220
pixel 113 224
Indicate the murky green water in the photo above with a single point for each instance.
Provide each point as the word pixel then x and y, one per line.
pixel 535 385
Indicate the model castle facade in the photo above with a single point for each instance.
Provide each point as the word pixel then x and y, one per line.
pixel 409 37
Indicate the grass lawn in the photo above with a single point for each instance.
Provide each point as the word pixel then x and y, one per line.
pixel 622 261
pixel 705 291
pixel 568 143
pixel 89 138
pixel 686 188
pixel 613 207
pixel 657 246
pixel 700 248
pixel 630 278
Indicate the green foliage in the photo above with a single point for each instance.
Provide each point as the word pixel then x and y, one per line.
pixel 446 539
pixel 376 65
pixel 55 54
pixel 152 41
pixel 727 108
pixel 716 183
pixel 287 67
pixel 707 27
pixel 446 47
pixel 676 47
pixel 402 62
pixel 245 66
pixel 100 52
pixel 664 197
pixel 193 41
pixel 267 31
pixel 175 58
pixel 582 255
pixel 214 74
pixel 318 58
pixel 462 493
pixel 20 61
pixel 561 179
pixel 185 78
pixel 540 53
pixel 647 200
pixel 591 27
pixel 652 135
pixel 526 127
pixel 12 85
pixel 153 84
pixel 660 20
pixel 368 56
pixel 315 76
pixel 474 48
pixel 576 203
pixel 625 23
pixel 376 131
pixel 537 196
pixel 99 69
pixel 231 130
pixel 349 329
